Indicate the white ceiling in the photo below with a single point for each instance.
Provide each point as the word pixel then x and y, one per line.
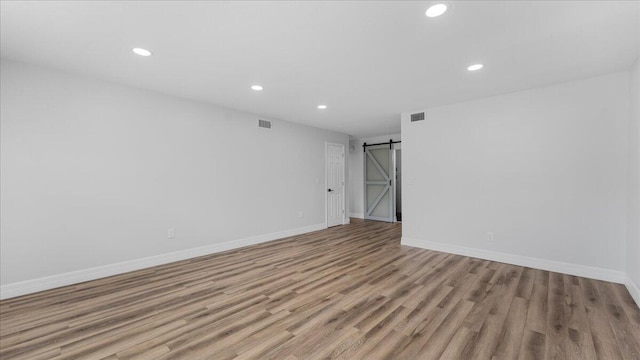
pixel 368 61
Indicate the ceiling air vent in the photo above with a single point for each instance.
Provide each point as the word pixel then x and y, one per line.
pixel 417 116
pixel 264 124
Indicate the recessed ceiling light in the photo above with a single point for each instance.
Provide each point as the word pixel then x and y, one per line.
pixel 142 52
pixel 475 67
pixel 436 10
pixel 256 87
pixel 322 107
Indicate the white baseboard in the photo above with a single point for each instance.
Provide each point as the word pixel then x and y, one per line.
pixel 634 290
pixel 591 272
pixel 356 215
pixel 74 277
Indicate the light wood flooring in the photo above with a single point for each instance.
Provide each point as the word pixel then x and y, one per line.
pixel 349 292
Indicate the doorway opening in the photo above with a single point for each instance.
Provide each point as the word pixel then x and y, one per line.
pixel 398 183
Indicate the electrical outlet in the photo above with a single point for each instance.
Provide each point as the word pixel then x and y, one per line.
pixel 490 236
pixel 171 233
pixel 300 215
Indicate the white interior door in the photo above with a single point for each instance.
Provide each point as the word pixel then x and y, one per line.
pixel 378 184
pixel 335 184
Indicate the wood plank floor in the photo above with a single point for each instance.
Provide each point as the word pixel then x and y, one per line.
pixel 349 292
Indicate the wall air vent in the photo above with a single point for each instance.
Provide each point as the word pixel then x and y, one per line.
pixel 417 116
pixel 264 124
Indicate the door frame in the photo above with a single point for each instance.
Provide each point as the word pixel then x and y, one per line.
pixel 344 183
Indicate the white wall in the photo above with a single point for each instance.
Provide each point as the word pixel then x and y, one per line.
pixel 545 170
pixel 633 218
pixel 95 173
pixel 356 171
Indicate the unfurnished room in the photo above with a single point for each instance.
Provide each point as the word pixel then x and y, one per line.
pixel 301 180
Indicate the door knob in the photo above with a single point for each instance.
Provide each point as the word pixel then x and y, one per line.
pixel 329 190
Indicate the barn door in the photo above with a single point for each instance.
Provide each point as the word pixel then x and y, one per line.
pixel 378 194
